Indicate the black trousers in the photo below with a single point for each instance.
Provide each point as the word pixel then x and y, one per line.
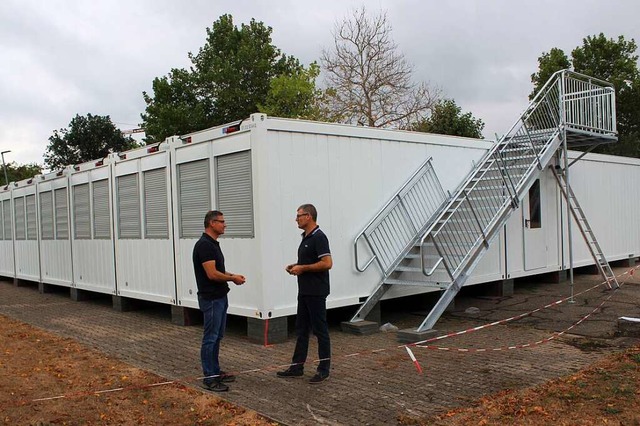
pixel 312 316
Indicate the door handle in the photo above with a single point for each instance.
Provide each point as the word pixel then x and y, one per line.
pixel 527 223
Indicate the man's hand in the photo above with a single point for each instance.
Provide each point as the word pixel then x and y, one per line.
pixel 296 270
pixel 289 267
pixel 238 279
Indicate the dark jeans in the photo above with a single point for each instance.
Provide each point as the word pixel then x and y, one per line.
pixel 215 321
pixel 312 316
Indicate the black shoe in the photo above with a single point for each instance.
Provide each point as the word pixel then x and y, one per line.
pixel 216 386
pixel 318 378
pixel 289 372
pixel 226 378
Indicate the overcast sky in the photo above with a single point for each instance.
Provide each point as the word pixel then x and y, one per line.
pixel 68 57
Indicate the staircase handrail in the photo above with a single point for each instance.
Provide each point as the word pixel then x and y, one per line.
pixel 376 218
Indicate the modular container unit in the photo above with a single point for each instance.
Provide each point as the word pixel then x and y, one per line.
pixel 55 244
pixel 92 244
pixel 25 223
pixel 258 176
pixel 607 190
pixel 135 216
pixel 143 228
pixel 7 265
pixel 604 187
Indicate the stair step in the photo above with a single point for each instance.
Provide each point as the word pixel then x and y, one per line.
pixel 415 283
pixel 403 268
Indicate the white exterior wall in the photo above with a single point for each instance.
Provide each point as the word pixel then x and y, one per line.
pixel 93 259
pixel 241 254
pixel 607 190
pixel 144 266
pixel 55 254
pixel 26 250
pixel 7 265
pixel 348 174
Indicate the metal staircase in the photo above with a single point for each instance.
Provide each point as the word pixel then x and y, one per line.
pixel 585 230
pixel 392 234
pixel 570 110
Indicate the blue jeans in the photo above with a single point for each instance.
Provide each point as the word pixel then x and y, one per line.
pixel 215 321
pixel 312 316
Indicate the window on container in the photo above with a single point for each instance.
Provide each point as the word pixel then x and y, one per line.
pixel 535 213
pixel 101 210
pixel 18 211
pixel 32 230
pixel 194 197
pixel 128 207
pixel 156 220
pixel 61 214
pixel 46 215
pixel 234 193
pixel 6 210
pixel 81 215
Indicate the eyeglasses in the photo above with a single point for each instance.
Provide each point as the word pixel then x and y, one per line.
pixel 298 216
pixel 216 220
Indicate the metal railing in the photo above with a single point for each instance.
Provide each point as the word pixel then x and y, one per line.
pixel 481 205
pixel 402 219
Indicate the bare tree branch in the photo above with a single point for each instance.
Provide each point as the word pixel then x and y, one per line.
pixel 370 81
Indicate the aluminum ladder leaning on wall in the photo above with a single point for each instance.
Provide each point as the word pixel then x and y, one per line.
pixel 585 229
pixel 570 110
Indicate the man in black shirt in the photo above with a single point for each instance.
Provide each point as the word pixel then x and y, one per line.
pixel 212 278
pixel 312 270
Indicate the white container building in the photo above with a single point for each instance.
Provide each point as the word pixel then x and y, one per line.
pixel 55 243
pixel 134 217
pixel 25 223
pixel 143 236
pixel 7 265
pixel 92 246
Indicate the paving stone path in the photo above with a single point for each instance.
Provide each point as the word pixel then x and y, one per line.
pixel 379 386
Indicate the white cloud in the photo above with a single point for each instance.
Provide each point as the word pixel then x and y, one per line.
pixel 67 57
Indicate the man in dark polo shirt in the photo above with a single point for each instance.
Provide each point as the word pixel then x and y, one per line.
pixel 312 270
pixel 212 278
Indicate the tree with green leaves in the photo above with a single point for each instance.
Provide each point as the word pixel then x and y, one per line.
pixel 87 138
pixel 17 172
pixel 447 119
pixel 229 77
pixel 370 81
pixel 295 95
pixel 613 60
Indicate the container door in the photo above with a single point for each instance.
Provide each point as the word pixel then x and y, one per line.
pixel 535 242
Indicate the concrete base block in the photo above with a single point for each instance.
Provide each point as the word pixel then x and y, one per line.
pixel 267 331
pixel 501 288
pixel 412 335
pixel 360 328
pixel 124 304
pixel 22 283
pixel 45 288
pixel 185 316
pixel 559 277
pixel 629 327
pixel 78 295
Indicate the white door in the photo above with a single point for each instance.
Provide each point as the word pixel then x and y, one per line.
pixel 535 242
